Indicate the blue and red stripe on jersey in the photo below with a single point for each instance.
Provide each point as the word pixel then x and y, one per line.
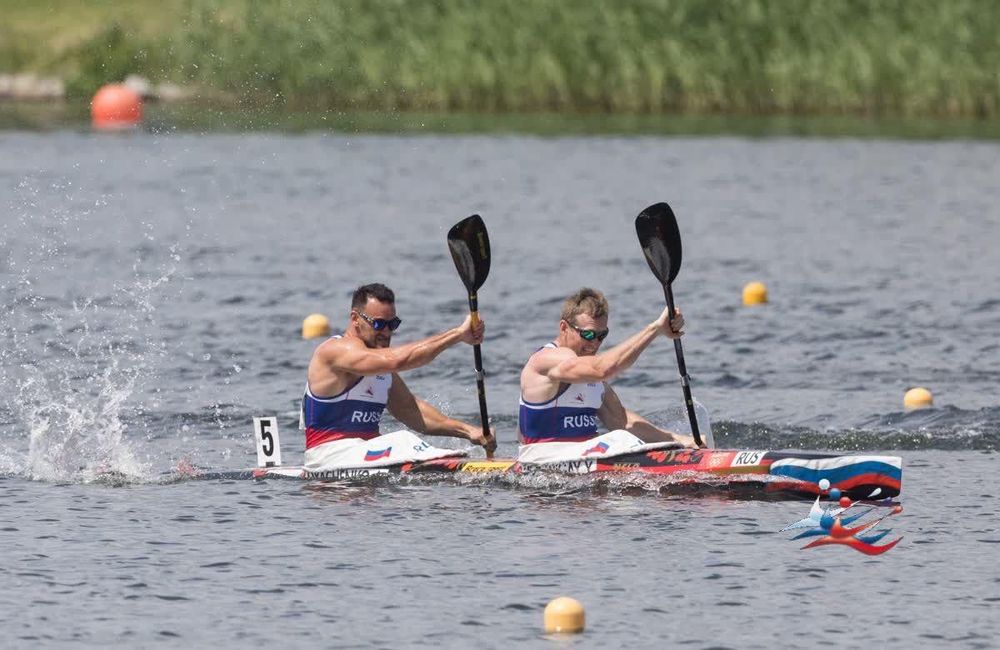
pixel 354 413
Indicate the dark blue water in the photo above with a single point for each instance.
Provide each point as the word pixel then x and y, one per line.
pixel 154 286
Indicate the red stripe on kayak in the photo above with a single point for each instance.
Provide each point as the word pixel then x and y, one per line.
pixel 871 478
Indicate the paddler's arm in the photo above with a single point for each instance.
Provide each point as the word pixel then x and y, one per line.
pixel 643 428
pixel 361 360
pixel 612 362
pixel 614 415
pixel 421 417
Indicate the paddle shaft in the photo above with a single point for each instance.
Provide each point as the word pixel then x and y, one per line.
pixel 480 378
pixel 682 368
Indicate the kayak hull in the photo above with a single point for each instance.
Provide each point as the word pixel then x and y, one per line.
pixel 790 473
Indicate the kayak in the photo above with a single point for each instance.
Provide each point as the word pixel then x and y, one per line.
pixel 790 474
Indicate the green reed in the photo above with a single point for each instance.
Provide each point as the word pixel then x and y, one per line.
pixel 877 57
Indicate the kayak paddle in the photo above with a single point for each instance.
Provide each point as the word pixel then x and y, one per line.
pixel 470 249
pixel 661 244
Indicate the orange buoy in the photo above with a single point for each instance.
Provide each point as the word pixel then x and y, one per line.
pixel 115 106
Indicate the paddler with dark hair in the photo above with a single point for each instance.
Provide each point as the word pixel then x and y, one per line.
pixel 354 377
pixel 564 389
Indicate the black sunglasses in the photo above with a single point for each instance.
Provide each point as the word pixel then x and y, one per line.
pixel 590 335
pixel 379 324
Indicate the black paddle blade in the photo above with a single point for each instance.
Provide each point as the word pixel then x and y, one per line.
pixel 660 240
pixel 470 248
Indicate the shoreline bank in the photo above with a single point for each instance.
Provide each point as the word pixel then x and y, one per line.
pixel 184 117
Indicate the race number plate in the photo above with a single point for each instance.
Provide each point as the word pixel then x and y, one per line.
pixel 265 433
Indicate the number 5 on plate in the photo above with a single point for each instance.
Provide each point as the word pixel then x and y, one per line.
pixel 265 433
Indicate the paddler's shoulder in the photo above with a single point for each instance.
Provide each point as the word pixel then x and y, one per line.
pixel 550 355
pixel 337 343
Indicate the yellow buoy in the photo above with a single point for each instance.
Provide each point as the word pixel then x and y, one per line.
pixel 315 325
pixel 918 398
pixel 565 615
pixel 755 293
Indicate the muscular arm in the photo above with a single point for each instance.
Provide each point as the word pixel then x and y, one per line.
pixel 643 428
pixel 615 416
pixel 606 365
pixel 355 358
pixel 339 361
pixel 420 416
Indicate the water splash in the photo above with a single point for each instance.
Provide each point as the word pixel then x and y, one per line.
pixel 77 337
pixel 79 436
pixel 675 418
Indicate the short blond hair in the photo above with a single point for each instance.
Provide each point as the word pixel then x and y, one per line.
pixel 585 301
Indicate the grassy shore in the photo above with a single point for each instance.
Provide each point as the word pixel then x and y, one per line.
pixel 868 57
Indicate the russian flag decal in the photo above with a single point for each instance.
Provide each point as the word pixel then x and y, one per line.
pixel 599 448
pixel 375 454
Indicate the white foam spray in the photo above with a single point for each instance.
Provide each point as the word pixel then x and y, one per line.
pixel 76 347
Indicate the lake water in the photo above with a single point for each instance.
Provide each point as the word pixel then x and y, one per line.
pixel 154 285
